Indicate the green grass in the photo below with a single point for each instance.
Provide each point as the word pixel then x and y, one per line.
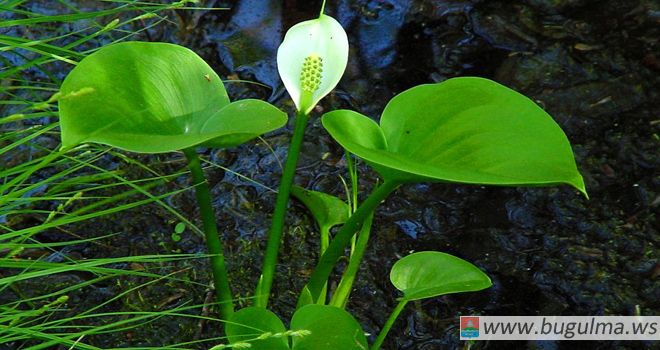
pixel 45 287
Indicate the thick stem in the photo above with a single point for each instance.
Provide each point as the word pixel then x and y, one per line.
pixel 388 325
pixel 213 243
pixel 262 292
pixel 342 239
pixel 343 291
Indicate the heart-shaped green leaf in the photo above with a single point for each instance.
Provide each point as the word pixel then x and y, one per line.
pixel 467 130
pixel 155 97
pixel 328 211
pixel 331 328
pixel 256 326
pixel 429 274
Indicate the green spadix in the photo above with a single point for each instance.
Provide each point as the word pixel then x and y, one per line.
pixel 155 97
pixel 466 130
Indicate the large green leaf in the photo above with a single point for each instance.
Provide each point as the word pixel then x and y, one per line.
pixel 155 97
pixel 256 326
pixel 468 130
pixel 331 328
pixel 429 274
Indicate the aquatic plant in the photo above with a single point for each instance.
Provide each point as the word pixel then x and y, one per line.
pixel 311 61
pixel 156 97
pixel 464 130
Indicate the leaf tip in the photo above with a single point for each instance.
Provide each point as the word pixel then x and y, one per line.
pixel 579 185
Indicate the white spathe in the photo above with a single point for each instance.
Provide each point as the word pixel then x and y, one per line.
pixel 323 37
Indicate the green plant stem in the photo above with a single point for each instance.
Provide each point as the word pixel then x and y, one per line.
pixel 388 325
pixel 213 243
pixel 262 292
pixel 322 8
pixel 352 172
pixel 343 291
pixel 325 241
pixel 343 238
pixel 7 193
pixel 324 232
pixel 353 201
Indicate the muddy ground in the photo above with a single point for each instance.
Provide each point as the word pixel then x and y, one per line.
pixel 593 65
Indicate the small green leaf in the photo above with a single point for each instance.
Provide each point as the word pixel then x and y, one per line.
pixel 155 97
pixel 259 327
pixel 328 211
pixel 429 274
pixel 466 130
pixel 331 329
pixel 179 228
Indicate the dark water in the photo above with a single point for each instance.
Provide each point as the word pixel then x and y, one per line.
pixel 593 65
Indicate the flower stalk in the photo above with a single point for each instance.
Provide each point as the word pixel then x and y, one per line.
pixel 311 60
pixel 262 293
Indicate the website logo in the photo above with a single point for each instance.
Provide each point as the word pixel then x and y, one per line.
pixel 560 328
pixel 469 327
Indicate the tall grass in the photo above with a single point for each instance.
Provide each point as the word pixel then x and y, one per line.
pixel 50 296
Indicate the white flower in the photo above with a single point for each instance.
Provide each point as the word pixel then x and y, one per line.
pixel 312 59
